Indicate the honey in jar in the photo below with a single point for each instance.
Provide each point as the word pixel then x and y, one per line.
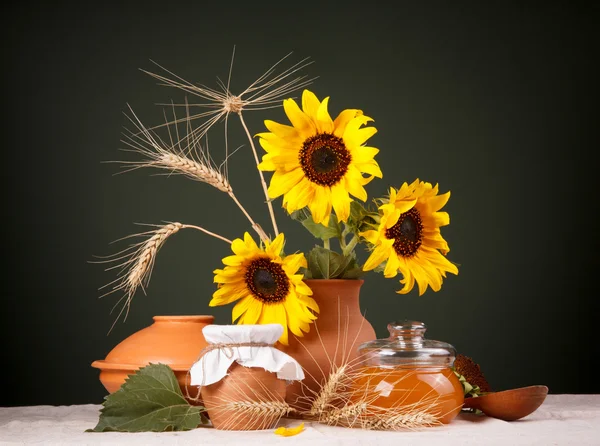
pixel 407 370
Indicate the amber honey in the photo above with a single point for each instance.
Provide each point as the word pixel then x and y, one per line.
pixel 435 390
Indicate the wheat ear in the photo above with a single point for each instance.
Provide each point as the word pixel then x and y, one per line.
pixel 346 416
pixel 261 408
pixel 399 421
pixel 137 262
pixel 329 391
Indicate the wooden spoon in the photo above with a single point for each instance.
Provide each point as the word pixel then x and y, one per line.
pixel 509 405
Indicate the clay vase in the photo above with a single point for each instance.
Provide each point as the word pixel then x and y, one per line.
pixel 172 340
pixel 247 398
pixel 333 339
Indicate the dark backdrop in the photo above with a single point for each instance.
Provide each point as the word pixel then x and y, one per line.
pixel 493 102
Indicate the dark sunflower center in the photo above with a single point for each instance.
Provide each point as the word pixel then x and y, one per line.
pixel 407 233
pixel 324 159
pixel 267 281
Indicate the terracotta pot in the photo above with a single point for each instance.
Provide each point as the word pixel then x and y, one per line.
pixel 229 402
pixel 172 340
pixel 333 338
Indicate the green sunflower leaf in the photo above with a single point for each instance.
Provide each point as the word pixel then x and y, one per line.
pixel 149 401
pixel 362 218
pixel 332 230
pixel 326 264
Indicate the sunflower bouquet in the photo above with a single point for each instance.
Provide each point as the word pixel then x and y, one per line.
pixel 320 166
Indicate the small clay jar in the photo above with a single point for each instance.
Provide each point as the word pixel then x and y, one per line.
pixel 248 398
pixel 243 377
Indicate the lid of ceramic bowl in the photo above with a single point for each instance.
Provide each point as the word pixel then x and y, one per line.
pixel 407 346
pixel 173 340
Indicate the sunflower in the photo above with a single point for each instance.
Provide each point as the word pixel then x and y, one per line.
pixel 409 238
pixel 266 285
pixel 318 162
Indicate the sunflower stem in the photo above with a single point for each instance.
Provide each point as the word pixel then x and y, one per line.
pixel 350 246
pixel 342 237
pixel 262 178
pixel 326 244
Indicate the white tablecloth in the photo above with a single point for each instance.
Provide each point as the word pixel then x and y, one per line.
pixel 562 419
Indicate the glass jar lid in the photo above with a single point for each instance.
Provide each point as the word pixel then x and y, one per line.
pixel 407 346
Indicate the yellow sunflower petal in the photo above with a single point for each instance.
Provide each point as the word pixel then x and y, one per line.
pixel 298 118
pixel 303 288
pixel 250 243
pixel 240 308
pixel 378 256
pixel 438 202
pixel 355 123
pixel 310 103
pixel 405 205
pixel 364 154
pixel 294 316
pixel 282 182
pixel 253 313
pixel 341 202
pixel 293 262
pixel 239 248
pixel 231 296
pixel 228 276
pixel 310 303
pixel 371 236
pixel 275 247
pixel 267 165
pixel 420 277
pixel 409 283
pixel 391 268
pixel 371 168
pixel 356 189
pixel 274 145
pixel 343 119
pixel 356 137
pixel 299 196
pixel 320 207
pixel 283 131
pixel 289 431
pixel 324 121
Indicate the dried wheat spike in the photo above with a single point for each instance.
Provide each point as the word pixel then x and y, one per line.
pixel 399 421
pixel 192 169
pixel 345 416
pixel 329 390
pixel 267 408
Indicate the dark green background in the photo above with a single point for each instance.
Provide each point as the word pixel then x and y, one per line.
pixel 496 103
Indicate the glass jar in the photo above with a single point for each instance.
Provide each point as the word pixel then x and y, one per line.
pixel 408 370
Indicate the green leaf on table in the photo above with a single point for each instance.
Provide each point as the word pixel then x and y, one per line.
pixel 326 264
pixel 149 401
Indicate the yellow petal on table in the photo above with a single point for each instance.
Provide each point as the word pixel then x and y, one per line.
pixel 289 431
